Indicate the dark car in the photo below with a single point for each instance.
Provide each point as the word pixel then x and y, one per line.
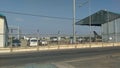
pixel 16 43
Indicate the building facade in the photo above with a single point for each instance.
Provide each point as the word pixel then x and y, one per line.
pixel 111 31
pixel 109 23
pixel 3 31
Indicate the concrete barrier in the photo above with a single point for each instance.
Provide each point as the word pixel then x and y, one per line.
pixel 53 47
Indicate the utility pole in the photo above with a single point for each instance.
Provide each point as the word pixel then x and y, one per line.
pixel 108 25
pixel 74 18
pixel 18 33
pixel 90 21
pixel 74 37
pixel 11 47
pixel 38 40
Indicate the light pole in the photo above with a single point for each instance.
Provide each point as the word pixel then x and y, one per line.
pixel 74 18
pixel 81 4
pixel 18 29
pixel 11 47
pixel 74 37
pixel 38 40
pixel 90 21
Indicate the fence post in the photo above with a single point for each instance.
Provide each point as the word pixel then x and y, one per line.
pixel 11 48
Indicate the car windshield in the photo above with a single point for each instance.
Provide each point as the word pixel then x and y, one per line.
pixel 16 41
pixel 33 40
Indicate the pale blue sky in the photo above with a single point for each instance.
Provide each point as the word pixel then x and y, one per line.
pixel 54 8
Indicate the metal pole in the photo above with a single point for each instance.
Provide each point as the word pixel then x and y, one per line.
pixel 11 47
pixel 102 35
pixel 90 22
pixel 74 37
pixel 18 33
pixel 108 25
pixel 38 40
pixel 115 31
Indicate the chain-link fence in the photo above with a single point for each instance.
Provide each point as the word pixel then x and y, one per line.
pixel 37 42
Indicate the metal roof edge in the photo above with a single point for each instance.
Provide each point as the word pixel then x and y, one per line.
pixel 92 15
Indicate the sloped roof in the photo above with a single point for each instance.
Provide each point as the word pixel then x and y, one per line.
pixel 99 18
pixel 4 17
pixel 1 15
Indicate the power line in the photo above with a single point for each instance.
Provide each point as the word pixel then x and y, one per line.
pixel 19 13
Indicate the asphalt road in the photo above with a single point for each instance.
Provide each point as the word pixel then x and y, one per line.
pixel 54 55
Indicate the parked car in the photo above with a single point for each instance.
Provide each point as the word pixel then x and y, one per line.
pixel 16 43
pixel 54 39
pixel 33 42
pixel 43 42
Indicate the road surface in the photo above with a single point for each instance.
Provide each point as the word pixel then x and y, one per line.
pixel 53 56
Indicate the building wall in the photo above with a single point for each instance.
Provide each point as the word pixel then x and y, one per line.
pixel 6 31
pixel 1 32
pixel 111 30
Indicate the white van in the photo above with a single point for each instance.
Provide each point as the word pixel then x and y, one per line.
pixel 33 42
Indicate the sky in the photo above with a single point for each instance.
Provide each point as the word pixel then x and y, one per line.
pixel 52 8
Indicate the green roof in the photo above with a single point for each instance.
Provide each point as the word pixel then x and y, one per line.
pixel 2 15
pixel 99 18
